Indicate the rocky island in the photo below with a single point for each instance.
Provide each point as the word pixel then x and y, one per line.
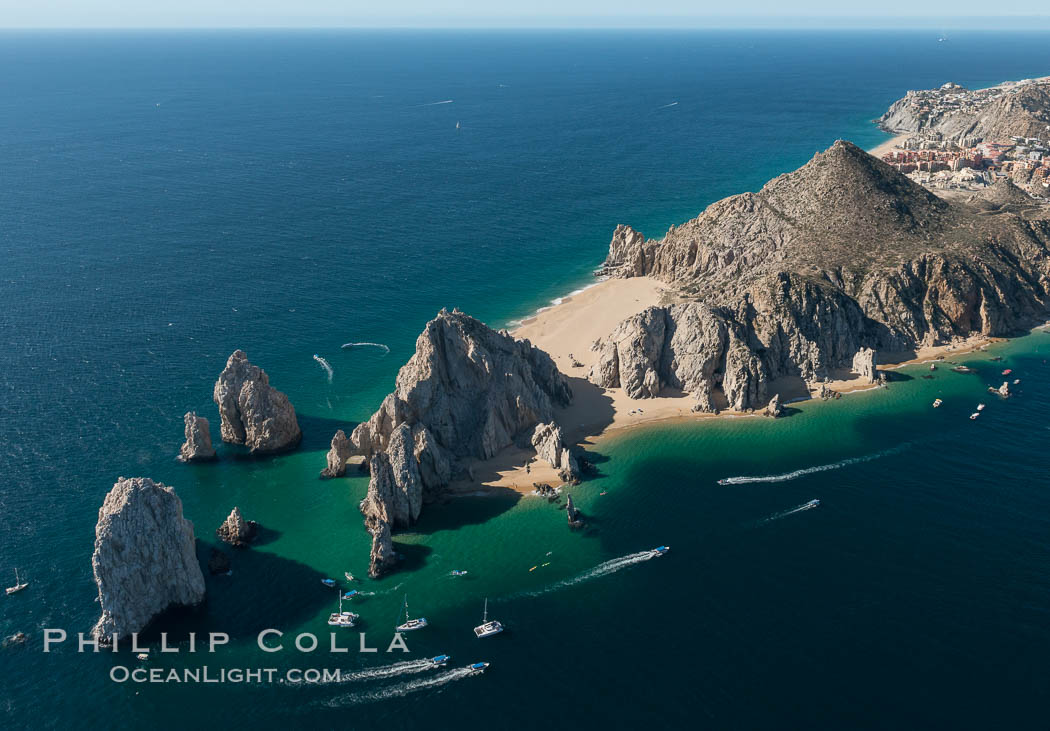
pixel 253 412
pixel 145 558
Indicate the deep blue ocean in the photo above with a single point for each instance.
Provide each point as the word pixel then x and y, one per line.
pixel 166 198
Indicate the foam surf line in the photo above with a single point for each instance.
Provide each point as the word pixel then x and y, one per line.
pixel 745 480
pixel 401 689
pixel 324 364
pixel 603 569
pixel 384 348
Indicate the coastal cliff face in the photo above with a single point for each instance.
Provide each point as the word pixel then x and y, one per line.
pixel 145 559
pixel 1014 108
pixel 467 393
pixel 253 412
pixel 842 256
pixel 197 446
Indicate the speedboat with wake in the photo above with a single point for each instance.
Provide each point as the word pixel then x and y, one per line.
pixel 410 624
pixel 487 628
pixel 812 504
pixel 440 661
pixel 661 550
pixel 477 668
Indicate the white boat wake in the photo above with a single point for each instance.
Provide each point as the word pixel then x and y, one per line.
pixel 400 689
pixel 785 513
pixel 665 106
pixel 408 667
pixel 602 569
pixel 324 364
pixel 747 479
pixel 348 346
pixel 433 104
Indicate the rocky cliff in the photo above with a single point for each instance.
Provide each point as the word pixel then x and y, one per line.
pixel 197 447
pixel 840 256
pixel 253 412
pixel 339 452
pixel 145 558
pixel 467 393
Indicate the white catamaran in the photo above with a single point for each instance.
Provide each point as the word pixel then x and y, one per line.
pixel 487 628
pixel 341 618
pixel 410 624
pixel 19 585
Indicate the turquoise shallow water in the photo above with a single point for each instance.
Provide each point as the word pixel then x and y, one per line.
pixel 171 197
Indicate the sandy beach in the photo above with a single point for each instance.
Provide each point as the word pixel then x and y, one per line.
pixel 888 146
pixel 567 330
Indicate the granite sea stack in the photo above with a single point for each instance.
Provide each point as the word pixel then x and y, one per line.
pixel 145 557
pixel 340 451
pixel 253 412
pixel 197 447
pixel 466 393
pixel 550 446
pixel 813 274
pixel 237 531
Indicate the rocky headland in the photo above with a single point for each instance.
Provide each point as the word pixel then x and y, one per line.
pixel 253 412
pixel 145 558
pixel 467 393
pixel 969 116
pixel 816 272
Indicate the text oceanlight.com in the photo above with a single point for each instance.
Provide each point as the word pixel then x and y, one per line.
pixel 124 674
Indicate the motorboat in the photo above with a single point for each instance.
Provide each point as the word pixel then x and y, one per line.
pixel 440 660
pixel 487 628
pixel 19 585
pixel 478 667
pixel 661 550
pixel 980 407
pixel 457 572
pixel 937 403
pixel 142 656
pixel 349 576
pixel 330 583
pixel 974 415
pixel 411 624
pixel 351 594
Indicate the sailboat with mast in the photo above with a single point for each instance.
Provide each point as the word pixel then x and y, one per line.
pixel 487 628
pixel 410 624
pixel 341 618
pixel 19 585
